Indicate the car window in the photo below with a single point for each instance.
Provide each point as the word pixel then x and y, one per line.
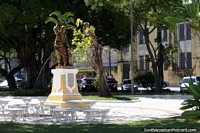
pixel 187 80
pixel 111 80
pixel 127 82
pixel 198 79
pixel 89 81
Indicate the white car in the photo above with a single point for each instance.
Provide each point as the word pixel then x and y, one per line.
pixel 185 82
pixel 4 84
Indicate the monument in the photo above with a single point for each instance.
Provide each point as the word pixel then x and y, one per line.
pixel 64 84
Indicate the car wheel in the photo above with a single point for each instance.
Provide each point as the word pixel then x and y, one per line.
pixel 136 89
pixel 164 85
pixel 122 89
pixel 181 91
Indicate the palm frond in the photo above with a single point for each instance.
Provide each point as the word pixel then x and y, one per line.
pixel 56 13
pixel 51 19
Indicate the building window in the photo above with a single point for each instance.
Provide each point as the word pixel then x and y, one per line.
pixel 165 35
pixel 147 61
pixel 182 60
pixel 181 32
pixel 188 32
pixel 189 60
pixel 141 62
pixel 165 64
pixel 141 38
pixel 186 60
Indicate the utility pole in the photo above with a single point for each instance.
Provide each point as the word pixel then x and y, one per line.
pixel 132 50
pixel 109 52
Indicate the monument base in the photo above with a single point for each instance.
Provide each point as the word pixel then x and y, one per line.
pixel 64 96
pixel 64 86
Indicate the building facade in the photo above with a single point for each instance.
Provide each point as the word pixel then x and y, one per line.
pixel 186 61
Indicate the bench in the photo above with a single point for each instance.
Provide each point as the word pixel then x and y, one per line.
pixel 68 114
pixel 92 114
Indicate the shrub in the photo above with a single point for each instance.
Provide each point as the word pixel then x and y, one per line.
pixel 192 104
pixel 146 79
pixel 30 92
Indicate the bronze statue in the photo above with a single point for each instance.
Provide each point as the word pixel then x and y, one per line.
pixel 62 47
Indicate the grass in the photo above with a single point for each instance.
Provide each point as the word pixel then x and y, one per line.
pixel 109 98
pixel 131 127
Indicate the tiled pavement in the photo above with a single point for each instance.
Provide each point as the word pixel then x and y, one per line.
pixel 146 108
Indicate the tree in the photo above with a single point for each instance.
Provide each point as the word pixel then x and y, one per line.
pixel 112 22
pixel 26 36
pixel 29 36
pixel 86 43
pixel 147 16
pixel 32 39
pixel 183 11
pixel 112 28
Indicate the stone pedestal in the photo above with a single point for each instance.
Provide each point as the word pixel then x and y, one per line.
pixel 64 86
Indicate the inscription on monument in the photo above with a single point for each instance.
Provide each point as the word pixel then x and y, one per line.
pixel 70 80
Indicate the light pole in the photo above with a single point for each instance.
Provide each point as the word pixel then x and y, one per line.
pixel 132 50
pixel 108 53
pixel 109 58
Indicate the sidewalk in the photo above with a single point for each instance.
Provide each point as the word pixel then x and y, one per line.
pixel 146 108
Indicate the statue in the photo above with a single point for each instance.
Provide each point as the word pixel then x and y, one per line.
pixel 62 47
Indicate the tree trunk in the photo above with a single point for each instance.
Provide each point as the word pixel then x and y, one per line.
pixel 9 75
pixel 34 54
pixel 97 65
pixel 156 58
pixel 10 79
pixel 159 76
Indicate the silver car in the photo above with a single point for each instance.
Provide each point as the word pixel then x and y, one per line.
pixel 126 85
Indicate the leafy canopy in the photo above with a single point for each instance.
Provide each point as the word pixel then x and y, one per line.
pixel 82 42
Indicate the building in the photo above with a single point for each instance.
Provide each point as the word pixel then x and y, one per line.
pixel 186 59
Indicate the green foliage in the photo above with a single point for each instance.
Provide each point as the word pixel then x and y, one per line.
pixel 186 11
pixel 109 98
pixel 56 17
pixel 192 114
pixel 146 79
pixel 119 127
pixel 112 22
pixel 7 13
pixel 30 92
pixel 82 42
pixel 96 82
pixel 23 28
pixel 169 52
pixel 194 90
pixel 193 104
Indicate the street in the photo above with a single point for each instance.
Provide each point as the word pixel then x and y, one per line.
pixel 172 88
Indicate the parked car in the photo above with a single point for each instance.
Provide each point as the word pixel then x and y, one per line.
pixel 87 84
pixel 4 84
pixel 112 83
pixel 165 84
pixel 185 82
pixel 1 80
pixel 126 85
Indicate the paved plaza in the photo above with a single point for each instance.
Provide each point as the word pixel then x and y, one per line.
pixel 148 107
